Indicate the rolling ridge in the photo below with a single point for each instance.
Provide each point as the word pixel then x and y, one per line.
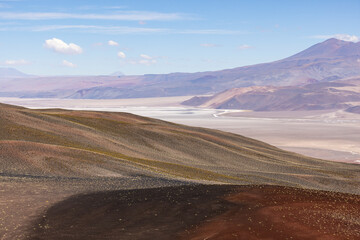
pixel 90 145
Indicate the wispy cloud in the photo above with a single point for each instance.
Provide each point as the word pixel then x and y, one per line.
pixel 60 46
pixel 144 56
pixel 244 46
pixel 120 16
pixel 115 7
pixel 98 29
pixel 210 31
pixel 147 60
pixel 143 60
pixel 92 7
pixel 68 64
pixel 344 37
pixel 209 45
pixel 16 62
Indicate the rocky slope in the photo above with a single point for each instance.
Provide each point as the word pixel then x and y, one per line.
pixel 94 145
pixel 101 175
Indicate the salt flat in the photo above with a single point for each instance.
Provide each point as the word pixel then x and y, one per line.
pixel 331 135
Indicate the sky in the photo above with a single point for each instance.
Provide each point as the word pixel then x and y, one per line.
pixel 162 36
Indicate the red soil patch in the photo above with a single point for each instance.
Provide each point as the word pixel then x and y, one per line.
pixel 284 213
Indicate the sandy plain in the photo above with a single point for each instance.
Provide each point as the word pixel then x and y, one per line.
pixel 331 135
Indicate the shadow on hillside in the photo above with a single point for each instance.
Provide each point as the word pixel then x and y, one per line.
pixel 159 213
pixel 203 212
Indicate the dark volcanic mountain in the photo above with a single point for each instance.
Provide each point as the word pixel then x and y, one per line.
pixel 327 61
pixel 318 96
pixel 329 49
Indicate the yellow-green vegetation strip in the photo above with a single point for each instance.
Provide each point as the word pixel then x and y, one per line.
pixel 13 131
pixel 102 124
pixel 20 132
pixel 110 126
pixel 172 168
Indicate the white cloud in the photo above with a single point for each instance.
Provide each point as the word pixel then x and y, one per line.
pixel 112 43
pixel 121 55
pixel 61 47
pixel 209 45
pixel 347 37
pixel 244 46
pixel 68 64
pixel 144 56
pixel 344 37
pixel 16 62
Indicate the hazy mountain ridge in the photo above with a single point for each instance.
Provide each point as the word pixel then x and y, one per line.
pixel 9 73
pixel 318 96
pixel 322 62
pixel 327 61
pixel 355 109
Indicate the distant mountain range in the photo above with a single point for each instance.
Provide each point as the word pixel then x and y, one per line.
pixel 6 73
pixel 327 61
pixel 317 96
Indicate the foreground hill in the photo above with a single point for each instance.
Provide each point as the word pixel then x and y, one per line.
pixel 93 145
pixel 318 96
pixel 326 61
pixel 97 175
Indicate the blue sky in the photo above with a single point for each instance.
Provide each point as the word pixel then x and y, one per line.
pixel 162 36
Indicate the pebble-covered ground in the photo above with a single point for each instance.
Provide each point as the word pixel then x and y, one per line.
pixel 22 200
pixel 201 212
